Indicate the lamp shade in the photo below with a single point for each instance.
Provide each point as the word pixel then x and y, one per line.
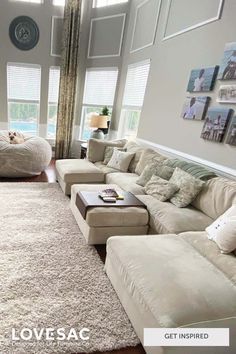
pixel 97 121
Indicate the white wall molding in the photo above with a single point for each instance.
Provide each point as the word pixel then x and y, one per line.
pixel 139 7
pixel 121 36
pixel 190 28
pixel 219 169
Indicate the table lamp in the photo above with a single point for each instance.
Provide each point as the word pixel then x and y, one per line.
pixel 99 122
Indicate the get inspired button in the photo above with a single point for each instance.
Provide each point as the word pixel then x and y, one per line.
pixel 186 337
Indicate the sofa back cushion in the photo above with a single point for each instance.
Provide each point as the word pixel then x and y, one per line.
pixel 157 169
pixel 216 196
pixel 96 148
pixel 193 169
pixel 147 157
pixel 133 148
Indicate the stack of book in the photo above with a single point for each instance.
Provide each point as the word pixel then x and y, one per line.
pixel 110 195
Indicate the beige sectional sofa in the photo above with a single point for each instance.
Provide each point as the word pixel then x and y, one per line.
pixel 174 281
pixel 177 277
pixel 164 217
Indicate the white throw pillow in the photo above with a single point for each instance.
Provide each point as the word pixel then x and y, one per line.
pixel 223 230
pixel 120 160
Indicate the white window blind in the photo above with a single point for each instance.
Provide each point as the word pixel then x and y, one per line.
pixel 101 3
pixel 23 82
pixel 135 85
pixel 100 86
pixel 54 81
pixel 59 2
pixel 32 1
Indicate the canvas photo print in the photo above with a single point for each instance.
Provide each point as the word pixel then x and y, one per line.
pixel 231 135
pixel 216 122
pixel 227 94
pixel 228 63
pixel 195 108
pixel 202 80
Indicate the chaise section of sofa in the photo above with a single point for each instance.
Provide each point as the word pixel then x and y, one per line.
pixel 174 281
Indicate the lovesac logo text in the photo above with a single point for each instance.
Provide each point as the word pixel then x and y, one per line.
pixel 50 334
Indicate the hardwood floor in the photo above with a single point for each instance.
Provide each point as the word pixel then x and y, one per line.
pixel 49 176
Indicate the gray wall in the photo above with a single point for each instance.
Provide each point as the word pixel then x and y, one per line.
pixel 171 63
pixel 42 14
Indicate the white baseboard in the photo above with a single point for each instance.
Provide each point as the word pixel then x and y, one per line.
pixel 219 169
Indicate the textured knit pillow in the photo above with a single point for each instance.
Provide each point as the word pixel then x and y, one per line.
pixel 223 230
pixel 160 188
pixel 147 157
pixel 157 169
pixel 120 160
pixel 108 153
pixel 189 187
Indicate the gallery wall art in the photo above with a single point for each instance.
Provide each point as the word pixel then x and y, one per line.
pixel 227 94
pixel 202 80
pixel 216 122
pixel 231 135
pixel 195 107
pixel 228 64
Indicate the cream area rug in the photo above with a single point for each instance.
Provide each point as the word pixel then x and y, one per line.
pixel 54 294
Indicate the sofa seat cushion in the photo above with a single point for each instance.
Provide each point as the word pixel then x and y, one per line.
pixel 78 171
pixel 127 181
pixel 167 278
pixel 104 168
pixel 216 196
pixel 167 218
pixel 209 249
pixel 113 216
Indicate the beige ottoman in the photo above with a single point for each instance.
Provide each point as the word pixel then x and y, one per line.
pixel 103 222
pixel 73 171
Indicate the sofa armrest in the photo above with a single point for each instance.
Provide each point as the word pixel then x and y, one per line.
pixel 96 148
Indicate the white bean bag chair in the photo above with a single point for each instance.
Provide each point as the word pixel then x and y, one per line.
pixel 29 158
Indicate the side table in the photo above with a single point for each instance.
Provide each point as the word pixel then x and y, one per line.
pixel 83 153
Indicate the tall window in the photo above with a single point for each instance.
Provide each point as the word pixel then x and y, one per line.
pixel 102 3
pixel 59 2
pixel 53 93
pixel 23 91
pixel 99 91
pixel 135 88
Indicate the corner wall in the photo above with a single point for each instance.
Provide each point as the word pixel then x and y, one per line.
pixel 171 63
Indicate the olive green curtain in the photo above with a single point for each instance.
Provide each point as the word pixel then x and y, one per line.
pixel 69 70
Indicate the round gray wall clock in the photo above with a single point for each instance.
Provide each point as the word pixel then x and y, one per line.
pixel 24 32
